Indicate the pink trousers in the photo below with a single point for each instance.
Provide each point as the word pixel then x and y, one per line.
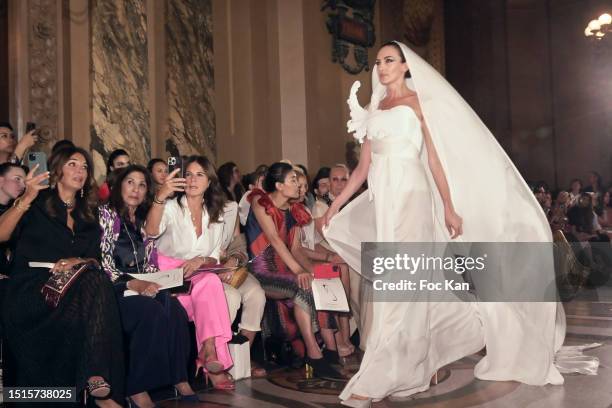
pixel 207 308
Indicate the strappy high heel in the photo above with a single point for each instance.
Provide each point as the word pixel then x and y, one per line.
pixel 227 385
pixel 212 366
pixel 191 398
pixel 98 389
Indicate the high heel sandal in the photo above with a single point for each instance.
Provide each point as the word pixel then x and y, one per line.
pixel 191 398
pixel 96 388
pixel 321 368
pixel 212 366
pixel 227 385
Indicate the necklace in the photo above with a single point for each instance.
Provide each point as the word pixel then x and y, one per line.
pixel 133 248
pixel 68 204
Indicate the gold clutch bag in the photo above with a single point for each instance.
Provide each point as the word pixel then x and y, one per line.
pixel 239 276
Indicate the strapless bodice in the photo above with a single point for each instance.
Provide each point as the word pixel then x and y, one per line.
pixel 395 132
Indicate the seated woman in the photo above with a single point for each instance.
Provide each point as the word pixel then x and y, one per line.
pixel 271 231
pixel 159 171
pixel 79 342
pixel 189 229
pixel 313 251
pixel 154 323
pixel 249 294
pixel 605 219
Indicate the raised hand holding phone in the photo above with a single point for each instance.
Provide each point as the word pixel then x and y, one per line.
pixel 38 160
pixel 173 184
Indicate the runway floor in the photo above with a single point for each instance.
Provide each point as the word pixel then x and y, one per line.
pixel 588 322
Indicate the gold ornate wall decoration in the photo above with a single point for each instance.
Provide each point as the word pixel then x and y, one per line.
pixel 42 42
pixel 424 30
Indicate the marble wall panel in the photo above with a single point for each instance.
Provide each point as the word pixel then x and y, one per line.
pixel 120 112
pixel 190 83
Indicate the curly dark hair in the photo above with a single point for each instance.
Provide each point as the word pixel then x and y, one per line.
pixel 86 201
pixel 214 196
pixel 115 200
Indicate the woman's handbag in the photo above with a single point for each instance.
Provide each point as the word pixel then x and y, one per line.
pixel 59 282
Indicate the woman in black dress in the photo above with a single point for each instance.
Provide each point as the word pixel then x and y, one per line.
pixel 78 343
pixel 154 323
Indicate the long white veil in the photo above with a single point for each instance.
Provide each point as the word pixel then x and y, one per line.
pixel 496 206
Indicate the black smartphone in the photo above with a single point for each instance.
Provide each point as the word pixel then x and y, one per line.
pixel 30 126
pixel 176 162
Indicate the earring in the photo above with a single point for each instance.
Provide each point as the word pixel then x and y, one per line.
pixel 81 193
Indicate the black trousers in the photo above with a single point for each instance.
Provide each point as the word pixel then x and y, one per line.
pixel 157 341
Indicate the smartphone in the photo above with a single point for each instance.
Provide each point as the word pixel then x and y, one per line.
pixel 176 162
pixel 39 158
pixel 30 126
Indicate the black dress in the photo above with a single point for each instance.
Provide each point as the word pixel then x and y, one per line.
pixel 61 346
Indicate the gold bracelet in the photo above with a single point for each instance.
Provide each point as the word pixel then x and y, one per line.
pixel 158 201
pixel 20 206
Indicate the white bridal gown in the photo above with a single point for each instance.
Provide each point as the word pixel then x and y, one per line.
pixel 410 340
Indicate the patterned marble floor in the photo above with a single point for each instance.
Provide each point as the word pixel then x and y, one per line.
pixel 588 322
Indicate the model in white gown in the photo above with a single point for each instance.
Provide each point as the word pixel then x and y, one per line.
pixel 409 341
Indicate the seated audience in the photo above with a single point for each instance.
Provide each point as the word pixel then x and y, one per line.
pixel 320 186
pixel 596 187
pixel 229 178
pixel 605 219
pixel 574 192
pixel 189 229
pixel 79 342
pixel 118 159
pixel 272 232
pixel 159 171
pixel 316 253
pixel 255 180
pixel 249 294
pixel 558 214
pixel 582 220
pixel 154 324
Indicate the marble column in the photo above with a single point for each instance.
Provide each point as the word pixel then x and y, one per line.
pixel 120 108
pixel 190 81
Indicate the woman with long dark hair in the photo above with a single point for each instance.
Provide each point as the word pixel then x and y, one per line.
pixel 79 341
pixel 229 178
pixel 189 230
pixel 428 158
pixel 273 236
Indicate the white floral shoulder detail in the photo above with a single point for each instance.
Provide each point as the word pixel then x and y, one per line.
pixel 359 116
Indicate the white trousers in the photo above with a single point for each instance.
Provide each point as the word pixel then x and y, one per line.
pixel 253 300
